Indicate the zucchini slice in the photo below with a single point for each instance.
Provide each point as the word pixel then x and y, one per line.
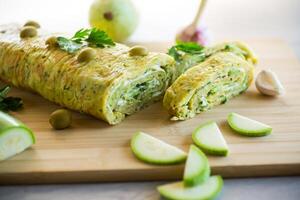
pixel 15 137
pixel 248 127
pixel 196 169
pixel 206 190
pixel 210 139
pixel 152 150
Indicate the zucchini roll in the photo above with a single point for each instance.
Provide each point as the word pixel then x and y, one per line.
pixel 221 76
pixel 196 55
pixel 110 86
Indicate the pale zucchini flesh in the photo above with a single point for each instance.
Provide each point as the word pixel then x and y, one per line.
pixel 14 140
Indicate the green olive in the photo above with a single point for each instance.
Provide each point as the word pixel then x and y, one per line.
pixel 138 51
pixel 60 119
pixel 28 32
pixel 32 23
pixel 52 42
pixel 86 55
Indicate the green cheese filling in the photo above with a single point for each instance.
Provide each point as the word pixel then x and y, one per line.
pixel 134 94
pixel 229 83
pixel 226 84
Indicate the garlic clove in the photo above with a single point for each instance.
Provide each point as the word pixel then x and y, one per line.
pixel 268 83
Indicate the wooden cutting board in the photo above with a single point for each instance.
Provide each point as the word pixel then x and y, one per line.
pixel 93 151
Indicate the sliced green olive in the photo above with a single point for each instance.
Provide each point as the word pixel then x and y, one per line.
pixel 138 51
pixel 52 42
pixel 60 119
pixel 32 23
pixel 28 32
pixel 86 55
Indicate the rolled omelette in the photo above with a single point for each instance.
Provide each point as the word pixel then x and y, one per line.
pixel 110 87
pixel 239 48
pixel 212 82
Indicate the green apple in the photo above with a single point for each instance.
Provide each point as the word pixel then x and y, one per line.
pixel 246 126
pixel 196 169
pixel 118 18
pixel 210 139
pixel 15 137
pixel 206 190
pixel 152 150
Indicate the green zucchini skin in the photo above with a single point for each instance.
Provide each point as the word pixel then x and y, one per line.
pixel 109 87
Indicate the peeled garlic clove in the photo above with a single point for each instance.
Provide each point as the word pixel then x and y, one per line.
pixel 268 83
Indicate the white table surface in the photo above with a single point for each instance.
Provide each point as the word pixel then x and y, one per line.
pixel 159 21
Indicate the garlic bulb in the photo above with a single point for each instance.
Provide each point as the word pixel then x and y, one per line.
pixel 192 33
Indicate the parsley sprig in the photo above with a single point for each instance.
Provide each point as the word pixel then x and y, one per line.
pixel 85 37
pixel 189 48
pixel 9 103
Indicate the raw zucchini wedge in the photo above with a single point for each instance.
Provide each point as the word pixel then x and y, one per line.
pixel 15 137
pixel 210 139
pixel 154 151
pixel 204 191
pixel 212 82
pixel 197 168
pixel 248 127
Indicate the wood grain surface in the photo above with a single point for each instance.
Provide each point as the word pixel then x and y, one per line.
pixel 92 151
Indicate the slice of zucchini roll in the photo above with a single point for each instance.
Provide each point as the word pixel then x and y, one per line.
pixel 212 82
pixel 192 54
pixel 108 83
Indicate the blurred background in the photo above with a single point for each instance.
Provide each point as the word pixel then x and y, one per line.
pixel 160 20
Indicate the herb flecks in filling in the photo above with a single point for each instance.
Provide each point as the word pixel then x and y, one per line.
pixel 136 94
pixel 226 85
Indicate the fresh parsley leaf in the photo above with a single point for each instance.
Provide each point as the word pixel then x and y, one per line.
pixel 99 38
pixel 81 35
pixel 85 37
pixel 9 103
pixel 68 45
pixel 189 47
